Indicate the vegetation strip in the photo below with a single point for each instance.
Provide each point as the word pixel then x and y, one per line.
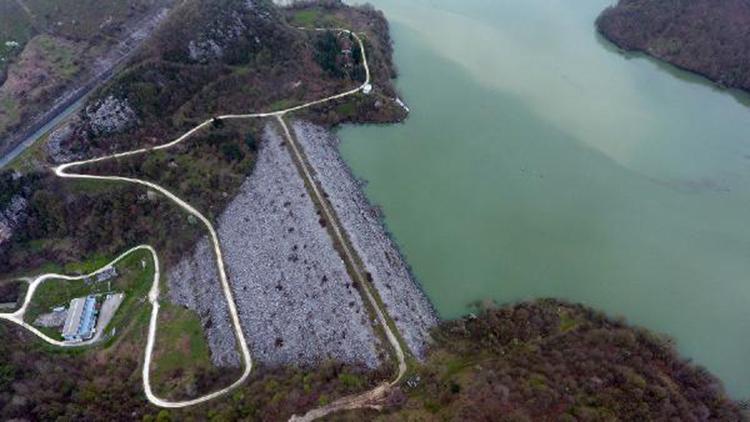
pixel 350 402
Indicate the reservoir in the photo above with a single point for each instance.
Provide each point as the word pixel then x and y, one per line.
pixel 538 161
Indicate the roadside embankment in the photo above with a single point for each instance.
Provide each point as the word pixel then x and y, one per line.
pixel 405 301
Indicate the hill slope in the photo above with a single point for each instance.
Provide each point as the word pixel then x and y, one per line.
pixel 54 51
pixel 554 361
pixel 707 37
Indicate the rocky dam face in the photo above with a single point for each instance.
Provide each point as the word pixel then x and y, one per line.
pixel 297 303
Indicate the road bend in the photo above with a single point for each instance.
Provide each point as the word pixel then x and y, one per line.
pixel 368 399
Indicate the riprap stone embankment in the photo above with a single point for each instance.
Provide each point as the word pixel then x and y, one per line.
pixel 405 301
pixel 296 301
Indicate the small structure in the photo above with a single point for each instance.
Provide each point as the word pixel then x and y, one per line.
pixel 367 89
pixel 81 320
pixel 107 274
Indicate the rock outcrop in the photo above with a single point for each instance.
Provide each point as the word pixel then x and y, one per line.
pixel 109 115
pixel 12 217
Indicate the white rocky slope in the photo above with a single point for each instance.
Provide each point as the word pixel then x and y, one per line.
pixel 296 301
pixel 405 302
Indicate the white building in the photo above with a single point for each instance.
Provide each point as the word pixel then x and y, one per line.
pixel 81 320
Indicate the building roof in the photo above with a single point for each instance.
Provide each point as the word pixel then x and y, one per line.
pixel 73 319
pixel 80 321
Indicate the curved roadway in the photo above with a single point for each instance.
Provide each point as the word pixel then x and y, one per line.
pixel 349 402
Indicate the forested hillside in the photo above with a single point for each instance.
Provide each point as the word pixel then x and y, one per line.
pixel 553 361
pixel 52 50
pixel 208 58
pixel 543 360
pixel 704 36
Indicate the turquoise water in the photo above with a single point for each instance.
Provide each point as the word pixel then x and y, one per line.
pixel 540 162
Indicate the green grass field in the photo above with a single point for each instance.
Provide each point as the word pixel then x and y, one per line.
pixel 59 55
pixel 9 111
pixel 15 26
pixel 314 17
pixel 72 19
pixel 133 280
pixel 181 351
pixel 81 19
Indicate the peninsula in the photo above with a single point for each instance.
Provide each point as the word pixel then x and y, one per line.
pixel 702 36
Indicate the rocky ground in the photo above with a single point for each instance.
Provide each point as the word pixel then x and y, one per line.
pixel 12 216
pixel 296 300
pixel 109 115
pixel 194 283
pixel 406 303
pixel 51 320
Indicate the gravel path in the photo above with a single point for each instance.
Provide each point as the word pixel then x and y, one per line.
pixel 295 299
pixel 406 303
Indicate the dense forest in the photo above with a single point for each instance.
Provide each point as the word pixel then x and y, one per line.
pixel 104 384
pixel 553 361
pixel 707 37
pixel 544 360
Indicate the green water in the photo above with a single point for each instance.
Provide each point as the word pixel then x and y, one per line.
pixel 540 162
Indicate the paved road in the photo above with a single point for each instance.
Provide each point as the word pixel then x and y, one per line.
pixel 350 402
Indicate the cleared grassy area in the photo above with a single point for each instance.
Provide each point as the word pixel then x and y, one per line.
pixel 15 27
pixel 135 274
pixel 314 17
pixel 181 354
pixel 47 63
pixel 60 55
pixel 282 104
pixel 80 19
pixel 9 111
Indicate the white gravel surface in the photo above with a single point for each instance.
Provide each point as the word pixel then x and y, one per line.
pixel 51 320
pixel 295 298
pixel 405 301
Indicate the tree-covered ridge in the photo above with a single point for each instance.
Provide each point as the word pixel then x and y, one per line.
pixel 544 360
pixel 553 361
pixel 703 36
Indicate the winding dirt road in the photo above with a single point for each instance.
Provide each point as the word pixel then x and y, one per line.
pixel 368 399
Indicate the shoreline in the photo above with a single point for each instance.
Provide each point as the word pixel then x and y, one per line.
pixel 625 26
pixel 297 303
pixel 403 295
